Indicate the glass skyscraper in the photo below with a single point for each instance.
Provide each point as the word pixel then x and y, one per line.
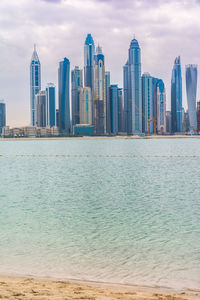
pixel 113 99
pixel 35 84
pixel 2 115
pixel 191 88
pixel 41 108
pixel 63 95
pixel 100 93
pixel 107 83
pixel 50 105
pixel 76 84
pixel 125 84
pixel 161 107
pixel 147 104
pixel 176 97
pixel 132 84
pixel 89 54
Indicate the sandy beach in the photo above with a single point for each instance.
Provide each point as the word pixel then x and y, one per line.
pixel 21 288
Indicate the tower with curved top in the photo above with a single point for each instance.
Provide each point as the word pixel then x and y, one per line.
pixel 191 88
pixel 132 84
pixel 35 84
pixel 89 54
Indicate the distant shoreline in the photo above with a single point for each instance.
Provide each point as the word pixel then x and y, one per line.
pixel 119 137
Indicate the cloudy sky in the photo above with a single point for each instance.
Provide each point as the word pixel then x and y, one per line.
pixel 164 29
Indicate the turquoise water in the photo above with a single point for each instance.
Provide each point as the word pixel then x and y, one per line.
pixel 103 217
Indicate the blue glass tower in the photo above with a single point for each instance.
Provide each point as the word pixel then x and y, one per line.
pixel 2 115
pixel 176 97
pixel 107 83
pixel 35 84
pixel 125 84
pixel 191 88
pixel 147 104
pixel 113 99
pixel 76 83
pixel 134 106
pixel 50 105
pixel 63 95
pixel 89 54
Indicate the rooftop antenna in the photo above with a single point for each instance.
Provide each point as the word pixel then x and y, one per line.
pixel 34 47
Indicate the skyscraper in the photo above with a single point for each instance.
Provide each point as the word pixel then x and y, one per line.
pixel 50 105
pixel 134 107
pixel 176 97
pixel 120 110
pixel 100 93
pixel 2 115
pixel 161 107
pixel 191 89
pixel 85 105
pixel 89 53
pixel 41 108
pixel 76 83
pixel 35 84
pixel 107 83
pixel 63 95
pixel 127 106
pixel 147 104
pixel 198 116
pixel 113 99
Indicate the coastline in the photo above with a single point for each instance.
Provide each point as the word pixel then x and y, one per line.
pixel 28 287
pixel 118 137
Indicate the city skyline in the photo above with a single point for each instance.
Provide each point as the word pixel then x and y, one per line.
pixel 160 38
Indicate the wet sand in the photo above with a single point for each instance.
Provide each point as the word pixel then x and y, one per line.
pixel 21 288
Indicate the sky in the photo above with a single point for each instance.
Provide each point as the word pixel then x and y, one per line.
pixel 163 28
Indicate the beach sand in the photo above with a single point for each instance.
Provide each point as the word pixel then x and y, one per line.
pixel 20 288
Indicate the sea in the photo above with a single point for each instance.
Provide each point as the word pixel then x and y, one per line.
pixel 109 210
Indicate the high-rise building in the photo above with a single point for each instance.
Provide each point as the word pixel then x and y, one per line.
pixel 35 84
pixel 132 86
pixel 76 83
pixel 161 107
pixel 168 122
pixel 57 117
pixel 120 110
pixel 127 105
pixel 198 116
pixel 176 97
pixel 113 103
pixel 100 93
pixel 191 89
pixel 85 105
pixel 89 54
pixel 147 104
pixel 107 82
pixel 63 95
pixel 50 105
pixel 41 108
pixel 2 115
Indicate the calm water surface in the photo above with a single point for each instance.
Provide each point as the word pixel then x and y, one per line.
pixel 115 219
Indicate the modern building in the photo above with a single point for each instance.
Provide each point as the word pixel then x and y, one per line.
pixel 132 84
pixel 176 97
pixel 89 56
pixel 198 116
pixel 41 108
pixel 127 105
pixel 63 96
pixel 168 122
pixel 147 104
pixel 191 89
pixel 85 105
pixel 114 114
pixel 161 108
pixel 76 83
pixel 2 115
pixel 57 117
pixel 120 110
pixel 35 84
pixel 100 93
pixel 107 83
pixel 50 105
pixel 83 129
